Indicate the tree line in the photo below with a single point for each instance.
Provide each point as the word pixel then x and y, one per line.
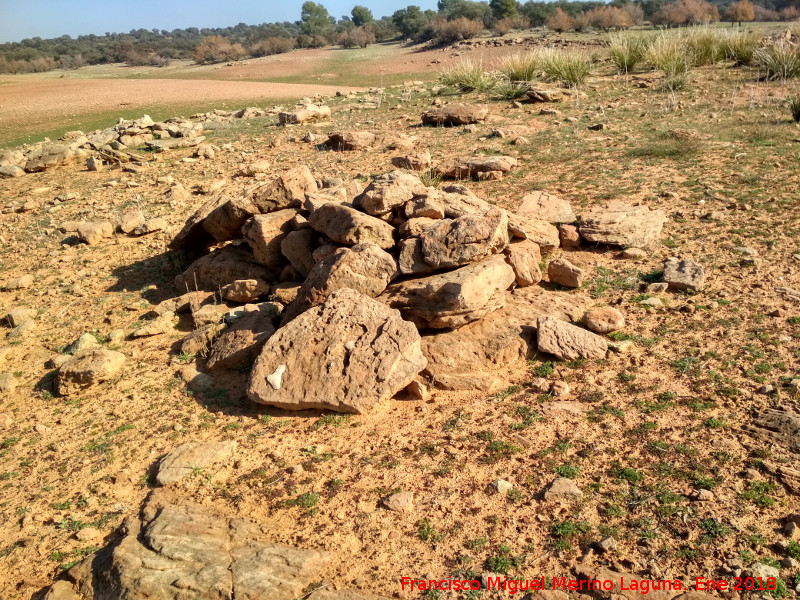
pixel 452 21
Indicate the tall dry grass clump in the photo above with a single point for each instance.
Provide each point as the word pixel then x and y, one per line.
pixel 740 47
pixel 779 61
pixel 520 66
pixel 627 50
pixel 570 67
pixel 467 76
pixel 706 46
pixel 669 54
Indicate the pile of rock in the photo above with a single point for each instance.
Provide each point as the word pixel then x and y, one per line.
pixel 373 290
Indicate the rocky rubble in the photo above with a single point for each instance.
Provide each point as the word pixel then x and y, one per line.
pixel 373 289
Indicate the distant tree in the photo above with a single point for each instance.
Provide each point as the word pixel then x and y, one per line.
pixel 608 17
pixel 360 37
pixel 685 12
pixel 503 9
pixel 740 11
pixel 361 15
pixel 635 12
pixel 216 48
pixel 560 21
pixel 789 13
pixel 411 21
pixel 315 19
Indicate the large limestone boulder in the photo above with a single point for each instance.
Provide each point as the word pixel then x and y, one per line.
pixel 567 341
pixel 264 234
pixel 348 226
pixel 539 231
pixel 219 268
pixel 364 268
pixel 459 200
pixel 456 114
pixel 50 155
pixel 178 550
pixel 389 191
pixel 453 299
pixel 452 243
pixel 88 368
pixel 547 207
pixel 471 356
pixel 298 248
pixel 524 257
pixel 623 225
pixel 347 354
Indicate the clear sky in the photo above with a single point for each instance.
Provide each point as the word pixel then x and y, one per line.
pixel 53 18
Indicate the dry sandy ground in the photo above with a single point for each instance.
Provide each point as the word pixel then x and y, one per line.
pixel 28 105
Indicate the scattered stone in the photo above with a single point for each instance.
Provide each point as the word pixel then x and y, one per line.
pixel 567 341
pixel 684 275
pixel 390 191
pixel 130 220
pixel 419 161
pixel 94 233
pixel 150 226
pixel 456 114
pixel 22 329
pixel 8 383
pixel 568 236
pixel 546 207
pixel 88 368
pixel 623 225
pixel 467 239
pixel 161 324
pixel 309 112
pixel 402 502
pixel 603 320
pixel 6 421
pixel 502 486
pixel 20 283
pixel 264 235
pixel 466 168
pixel 702 495
pixel 347 354
pixel 349 140
pixel 17 315
pixel 651 303
pixel 84 342
pixel 656 288
pixel 563 272
pixel 563 489
pixel 199 341
pixel 189 458
pixel 559 388
pixel 197 381
pixel 219 268
pixel 298 248
pixel 542 233
pixel 607 544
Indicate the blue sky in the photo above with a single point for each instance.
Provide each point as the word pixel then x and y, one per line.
pixel 53 18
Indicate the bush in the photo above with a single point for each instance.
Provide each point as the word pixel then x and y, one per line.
pixel 669 54
pixel 626 51
pixel 778 61
pixel 217 49
pixel 506 24
pixel 360 37
pixel 685 12
pixel 608 17
pixel 136 58
pixel 570 68
pixel 447 32
pixel 71 63
pixel 560 21
pixel 519 67
pixel 272 45
pixel 467 76
pixel 36 65
pixel 507 89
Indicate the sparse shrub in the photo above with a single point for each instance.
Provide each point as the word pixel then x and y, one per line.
pixel 142 59
pixel 560 21
pixel 447 32
pixel 519 66
pixel 779 61
pixel 72 62
pixel 794 107
pixel 467 76
pixel 569 67
pixel 506 24
pixel 608 17
pixel 627 51
pixel 272 45
pixel 216 48
pixel 360 37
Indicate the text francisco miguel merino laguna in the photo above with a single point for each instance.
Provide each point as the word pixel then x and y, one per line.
pixel 512 586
